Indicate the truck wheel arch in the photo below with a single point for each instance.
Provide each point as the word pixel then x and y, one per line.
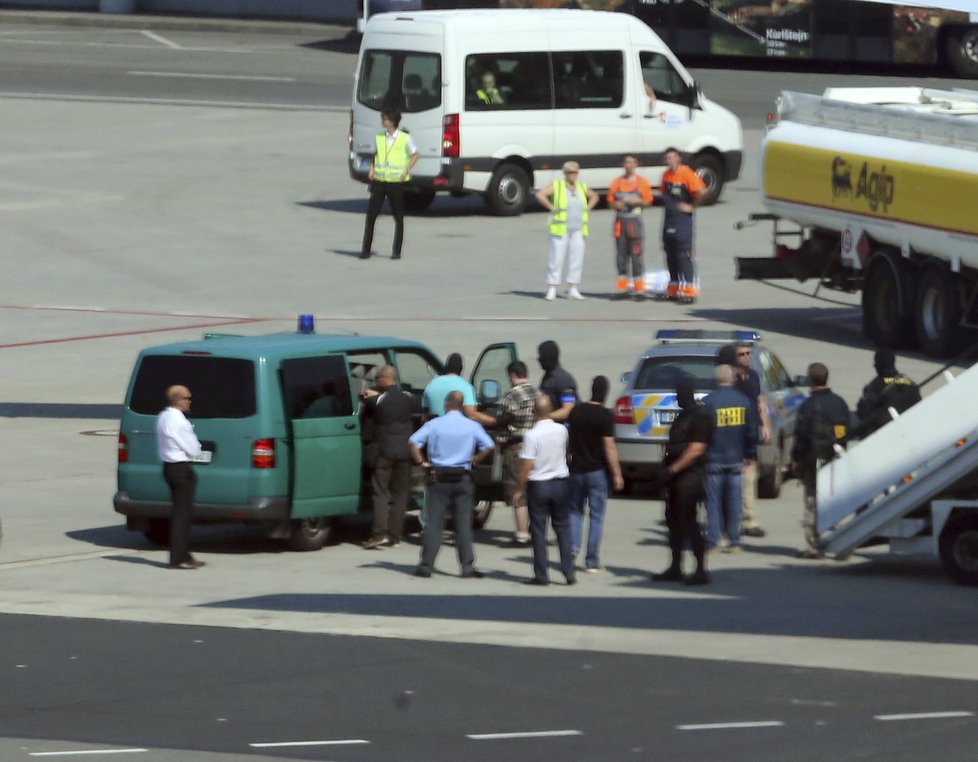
pixel 888 300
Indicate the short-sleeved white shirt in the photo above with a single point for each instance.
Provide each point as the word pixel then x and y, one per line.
pixel 546 445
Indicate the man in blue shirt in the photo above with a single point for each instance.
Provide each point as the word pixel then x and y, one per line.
pixel 433 399
pixel 733 444
pixel 453 444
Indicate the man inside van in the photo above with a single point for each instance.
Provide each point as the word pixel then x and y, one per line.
pixel 433 398
pixel 395 157
pixel 489 93
pixel 682 191
pixel 177 445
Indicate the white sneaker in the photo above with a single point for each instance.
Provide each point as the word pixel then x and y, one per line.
pixel 551 294
pixel 573 293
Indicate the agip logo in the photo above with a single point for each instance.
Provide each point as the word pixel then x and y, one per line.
pixel 873 186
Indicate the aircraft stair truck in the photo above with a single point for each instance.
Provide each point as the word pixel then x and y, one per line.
pixel 913 483
pixel 878 186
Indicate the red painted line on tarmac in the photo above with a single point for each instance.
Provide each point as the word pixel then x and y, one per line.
pixel 128 333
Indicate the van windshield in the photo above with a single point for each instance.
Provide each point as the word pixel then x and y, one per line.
pixel 221 387
pixel 401 79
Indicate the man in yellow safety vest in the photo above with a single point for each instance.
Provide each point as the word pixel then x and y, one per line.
pixel 389 173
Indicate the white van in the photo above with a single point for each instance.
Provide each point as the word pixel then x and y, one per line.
pixel 571 84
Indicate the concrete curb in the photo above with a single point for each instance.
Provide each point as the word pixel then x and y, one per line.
pixel 188 23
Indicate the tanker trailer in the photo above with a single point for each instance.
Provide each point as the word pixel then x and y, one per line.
pixel 876 189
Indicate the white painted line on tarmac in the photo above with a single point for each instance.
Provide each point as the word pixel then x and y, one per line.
pixel 84 751
pixel 733 725
pixel 526 734
pixel 921 716
pixel 67 559
pixel 343 742
pixel 183 75
pixel 137 46
pixel 161 39
pixel 174 102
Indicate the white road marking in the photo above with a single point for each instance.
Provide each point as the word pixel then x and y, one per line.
pixel 527 734
pixel 175 102
pixel 137 46
pixel 921 716
pixel 346 742
pixel 67 559
pixel 85 751
pixel 161 39
pixel 732 725
pixel 182 75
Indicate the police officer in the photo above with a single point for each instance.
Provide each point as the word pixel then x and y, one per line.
pixel 389 173
pixel 453 444
pixel 889 389
pixel 733 444
pixel 684 471
pixel 822 423
pixel 556 383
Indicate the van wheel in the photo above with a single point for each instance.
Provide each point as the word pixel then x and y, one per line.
pixel 959 549
pixel 158 531
pixel 418 200
pixel 938 312
pixel 710 170
pixel 481 513
pixel 508 190
pixel 961 46
pixel 310 533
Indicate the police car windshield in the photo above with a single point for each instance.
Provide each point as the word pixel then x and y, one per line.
pixel 662 373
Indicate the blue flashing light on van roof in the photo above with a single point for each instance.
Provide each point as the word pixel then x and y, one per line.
pixel 697 334
pixel 307 324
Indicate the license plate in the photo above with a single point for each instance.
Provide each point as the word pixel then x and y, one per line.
pixel 204 457
pixel 667 416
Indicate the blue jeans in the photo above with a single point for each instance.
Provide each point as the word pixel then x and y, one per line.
pixel 723 495
pixel 590 487
pixel 550 500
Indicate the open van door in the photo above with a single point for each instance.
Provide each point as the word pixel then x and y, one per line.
pixel 325 436
pixel 491 382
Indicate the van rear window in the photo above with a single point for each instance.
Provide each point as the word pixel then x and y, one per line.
pixel 401 79
pixel 221 387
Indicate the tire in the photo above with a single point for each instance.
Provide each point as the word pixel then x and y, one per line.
pixel 710 170
pixel 508 190
pixel 887 303
pixel 310 533
pixel 958 547
pixel 769 484
pixel 938 312
pixel 418 200
pixel 158 531
pixel 481 513
pixel 961 47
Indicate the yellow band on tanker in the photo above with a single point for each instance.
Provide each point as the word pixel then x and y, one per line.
pixel 918 194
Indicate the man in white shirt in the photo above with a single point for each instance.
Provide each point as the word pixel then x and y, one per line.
pixel 177 445
pixel 544 481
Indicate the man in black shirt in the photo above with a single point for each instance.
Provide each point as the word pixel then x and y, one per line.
pixel 889 389
pixel 393 412
pixel 684 471
pixel 592 454
pixel 557 383
pixel 822 423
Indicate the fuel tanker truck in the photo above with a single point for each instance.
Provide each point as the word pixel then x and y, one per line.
pixel 876 189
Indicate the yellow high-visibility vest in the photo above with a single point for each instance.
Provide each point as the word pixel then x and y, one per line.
pixel 390 162
pixel 558 220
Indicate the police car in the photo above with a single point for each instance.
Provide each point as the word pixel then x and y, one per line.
pixel 647 405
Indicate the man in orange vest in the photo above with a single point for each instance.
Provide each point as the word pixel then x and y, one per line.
pixel 389 173
pixel 682 192
pixel 628 194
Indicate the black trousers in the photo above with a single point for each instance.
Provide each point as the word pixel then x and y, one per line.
pixel 378 192
pixel 679 258
pixel 391 485
pixel 182 480
pixel 685 492
pixel 439 497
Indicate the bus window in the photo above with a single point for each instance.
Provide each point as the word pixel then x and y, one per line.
pixel 659 74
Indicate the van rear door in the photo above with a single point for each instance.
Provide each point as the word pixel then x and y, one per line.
pixel 324 435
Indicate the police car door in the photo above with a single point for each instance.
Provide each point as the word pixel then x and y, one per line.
pixel 325 435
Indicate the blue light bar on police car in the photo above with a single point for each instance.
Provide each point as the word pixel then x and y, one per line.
pixel 667 335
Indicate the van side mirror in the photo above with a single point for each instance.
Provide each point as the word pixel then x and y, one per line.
pixel 695 94
pixel 489 391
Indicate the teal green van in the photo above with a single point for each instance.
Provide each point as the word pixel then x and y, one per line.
pixel 278 419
